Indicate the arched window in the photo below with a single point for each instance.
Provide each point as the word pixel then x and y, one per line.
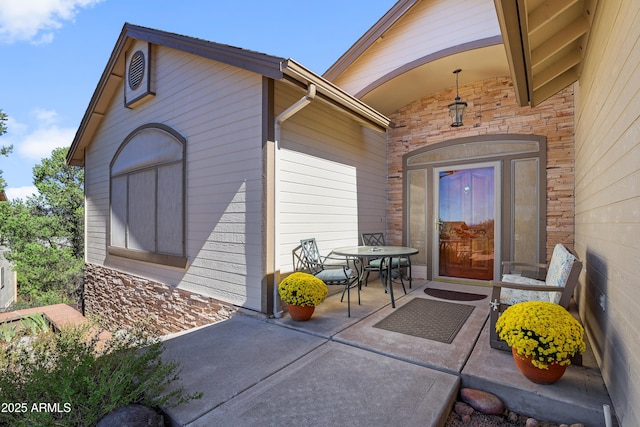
pixel 147 197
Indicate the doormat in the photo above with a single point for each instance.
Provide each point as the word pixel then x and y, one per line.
pixel 428 319
pixel 453 295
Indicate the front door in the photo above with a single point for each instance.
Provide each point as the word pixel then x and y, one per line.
pixel 466 220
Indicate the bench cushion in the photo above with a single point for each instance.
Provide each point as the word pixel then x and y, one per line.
pixel 514 296
pixel 560 266
pixel 557 274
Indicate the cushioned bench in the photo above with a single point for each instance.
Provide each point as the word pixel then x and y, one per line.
pixel 518 285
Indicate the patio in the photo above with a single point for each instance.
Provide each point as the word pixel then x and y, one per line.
pixel 242 385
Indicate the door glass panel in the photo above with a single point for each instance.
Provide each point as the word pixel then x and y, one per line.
pixel 466 209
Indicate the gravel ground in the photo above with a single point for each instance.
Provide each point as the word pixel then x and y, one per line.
pixel 478 419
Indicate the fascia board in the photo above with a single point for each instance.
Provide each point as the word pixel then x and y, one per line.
pixel 335 95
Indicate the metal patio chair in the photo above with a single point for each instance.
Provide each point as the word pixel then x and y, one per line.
pixel 397 264
pixel 332 270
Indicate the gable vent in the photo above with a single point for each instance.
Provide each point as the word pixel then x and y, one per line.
pixel 139 83
pixel 136 70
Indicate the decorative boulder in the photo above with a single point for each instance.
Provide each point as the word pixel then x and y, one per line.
pixel 482 401
pixel 133 415
pixel 462 409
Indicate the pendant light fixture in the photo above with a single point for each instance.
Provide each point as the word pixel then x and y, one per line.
pixel 456 109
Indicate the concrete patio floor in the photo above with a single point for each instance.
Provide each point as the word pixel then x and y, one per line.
pixel 340 370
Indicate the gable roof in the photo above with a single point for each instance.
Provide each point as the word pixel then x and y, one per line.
pixel 412 50
pixel 260 63
pixel 369 38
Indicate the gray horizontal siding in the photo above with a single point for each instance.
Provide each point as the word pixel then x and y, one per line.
pixel 217 108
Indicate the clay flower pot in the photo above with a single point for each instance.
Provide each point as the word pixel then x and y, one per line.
pixel 535 374
pixel 546 332
pixel 301 313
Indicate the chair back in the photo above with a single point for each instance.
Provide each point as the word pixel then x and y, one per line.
pixel 373 239
pixel 564 269
pixel 310 256
pixel 299 263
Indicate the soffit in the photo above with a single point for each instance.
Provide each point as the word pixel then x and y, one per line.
pixel 434 75
pixel 545 42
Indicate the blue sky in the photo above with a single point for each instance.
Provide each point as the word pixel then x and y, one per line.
pixel 52 53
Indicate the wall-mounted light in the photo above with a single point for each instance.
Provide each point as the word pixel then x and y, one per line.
pixel 456 109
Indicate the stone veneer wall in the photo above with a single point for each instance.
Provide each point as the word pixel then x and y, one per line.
pixel 492 109
pixel 121 299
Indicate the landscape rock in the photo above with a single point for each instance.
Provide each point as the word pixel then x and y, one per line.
pixel 513 417
pixel 132 416
pixel 532 422
pixel 482 401
pixel 462 409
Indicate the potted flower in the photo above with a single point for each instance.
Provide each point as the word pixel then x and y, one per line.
pixel 302 292
pixel 543 337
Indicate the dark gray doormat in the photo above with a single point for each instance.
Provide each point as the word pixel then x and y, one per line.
pixel 453 295
pixel 429 319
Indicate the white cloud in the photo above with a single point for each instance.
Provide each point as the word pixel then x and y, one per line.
pixel 44 115
pixel 20 192
pixel 35 143
pixel 36 20
pixel 40 143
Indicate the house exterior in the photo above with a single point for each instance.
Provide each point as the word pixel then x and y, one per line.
pixel 548 153
pixel 178 146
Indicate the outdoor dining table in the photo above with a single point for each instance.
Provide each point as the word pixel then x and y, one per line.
pixel 387 253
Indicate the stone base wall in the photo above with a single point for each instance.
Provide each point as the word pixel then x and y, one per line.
pixel 492 109
pixel 121 300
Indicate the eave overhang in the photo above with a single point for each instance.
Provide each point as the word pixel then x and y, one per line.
pixel 545 41
pixel 335 96
pixel 269 66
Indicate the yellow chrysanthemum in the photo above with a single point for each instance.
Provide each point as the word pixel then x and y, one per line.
pixel 302 289
pixel 545 331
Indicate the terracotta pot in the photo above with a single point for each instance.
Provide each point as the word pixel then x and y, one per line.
pixel 300 313
pixel 535 374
